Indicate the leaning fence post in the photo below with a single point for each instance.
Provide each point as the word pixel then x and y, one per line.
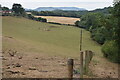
pixel 70 68
pixel 81 64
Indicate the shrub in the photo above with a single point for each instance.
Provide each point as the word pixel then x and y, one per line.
pixel 110 51
pixel 44 20
pixel 98 35
pixel 79 24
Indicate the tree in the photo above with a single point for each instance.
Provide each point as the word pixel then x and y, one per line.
pixel 5 9
pixel 116 15
pixel 111 48
pixel 77 23
pixel 44 20
pixel 18 9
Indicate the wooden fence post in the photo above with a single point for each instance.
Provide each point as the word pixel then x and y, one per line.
pixel 86 62
pixel 70 68
pixel 88 58
pixel 81 64
pixel 91 55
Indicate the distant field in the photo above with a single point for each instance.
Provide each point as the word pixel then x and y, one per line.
pixel 63 20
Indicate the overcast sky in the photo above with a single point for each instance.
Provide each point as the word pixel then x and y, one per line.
pixel 32 4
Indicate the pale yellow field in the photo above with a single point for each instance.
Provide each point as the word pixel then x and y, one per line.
pixel 62 20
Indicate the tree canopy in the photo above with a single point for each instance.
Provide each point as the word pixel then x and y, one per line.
pixel 18 9
pixel 104 29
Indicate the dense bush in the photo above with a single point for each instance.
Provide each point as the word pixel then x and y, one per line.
pixel 93 23
pixel 99 35
pixel 110 50
pixel 77 23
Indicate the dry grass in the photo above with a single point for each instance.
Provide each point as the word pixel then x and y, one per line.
pixel 63 20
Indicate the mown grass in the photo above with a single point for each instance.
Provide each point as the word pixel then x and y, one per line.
pixel 46 38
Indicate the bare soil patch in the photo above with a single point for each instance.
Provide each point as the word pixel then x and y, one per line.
pixel 36 65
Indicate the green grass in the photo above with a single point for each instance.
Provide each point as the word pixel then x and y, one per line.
pixel 61 40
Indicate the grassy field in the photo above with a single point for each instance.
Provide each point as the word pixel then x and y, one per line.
pixel 48 38
pixel 63 20
pixel 28 36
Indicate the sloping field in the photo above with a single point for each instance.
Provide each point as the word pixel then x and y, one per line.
pixel 62 20
pixel 48 38
pixel 42 49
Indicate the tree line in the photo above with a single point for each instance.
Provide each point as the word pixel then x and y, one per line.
pixel 76 14
pixel 61 13
pixel 104 29
pixel 18 10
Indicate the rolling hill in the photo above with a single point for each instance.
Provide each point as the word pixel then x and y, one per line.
pixel 59 8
